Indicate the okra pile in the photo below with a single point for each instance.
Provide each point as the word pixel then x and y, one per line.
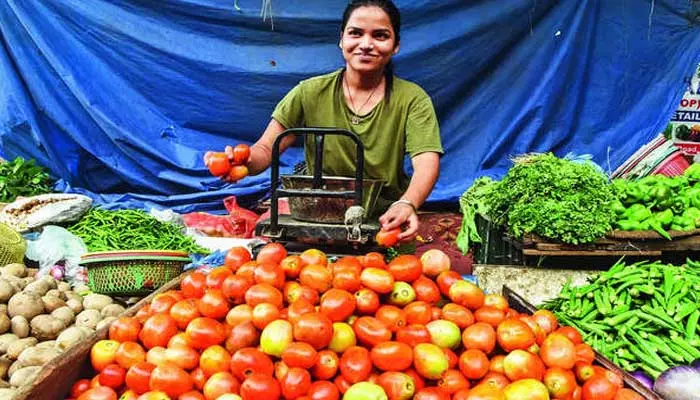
pixel 642 316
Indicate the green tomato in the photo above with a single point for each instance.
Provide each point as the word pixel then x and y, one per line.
pixel 365 391
pixel 402 294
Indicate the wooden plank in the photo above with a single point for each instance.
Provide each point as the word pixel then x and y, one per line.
pixel 587 253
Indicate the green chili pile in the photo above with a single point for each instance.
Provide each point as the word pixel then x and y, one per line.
pixel 104 230
pixel 642 316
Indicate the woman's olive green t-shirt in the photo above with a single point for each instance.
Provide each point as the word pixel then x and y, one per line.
pixel 406 124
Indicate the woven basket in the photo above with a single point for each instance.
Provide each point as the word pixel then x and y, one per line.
pixel 135 274
pixel 12 246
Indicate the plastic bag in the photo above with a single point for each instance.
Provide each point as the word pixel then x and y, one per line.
pixel 58 253
pixel 30 213
pixel 239 223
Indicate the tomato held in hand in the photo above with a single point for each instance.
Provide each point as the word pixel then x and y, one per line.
pixel 240 154
pixel 217 163
pixel 237 173
pixel 388 238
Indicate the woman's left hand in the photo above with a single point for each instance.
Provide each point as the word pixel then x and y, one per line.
pixel 401 215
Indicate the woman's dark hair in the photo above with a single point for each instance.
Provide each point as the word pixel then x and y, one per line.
pixel 394 16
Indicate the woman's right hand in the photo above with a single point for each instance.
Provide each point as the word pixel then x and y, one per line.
pixel 229 165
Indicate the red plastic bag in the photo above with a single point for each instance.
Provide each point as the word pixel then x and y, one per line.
pixel 239 223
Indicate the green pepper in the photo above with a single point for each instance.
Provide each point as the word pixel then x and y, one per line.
pixel 677 204
pixel 628 225
pixel 683 223
pixel 637 212
pixel 660 192
pixel 694 197
pixel 693 172
pixel 665 217
pixel 657 226
pixel 645 225
pixel 634 193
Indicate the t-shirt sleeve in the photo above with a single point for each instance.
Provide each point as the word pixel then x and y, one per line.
pixel 290 110
pixel 422 129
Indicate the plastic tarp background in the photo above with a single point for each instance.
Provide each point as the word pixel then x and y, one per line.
pixel 121 98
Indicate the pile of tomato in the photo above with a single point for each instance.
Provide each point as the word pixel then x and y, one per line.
pixel 298 327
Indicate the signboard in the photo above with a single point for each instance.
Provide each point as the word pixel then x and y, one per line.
pixel 684 127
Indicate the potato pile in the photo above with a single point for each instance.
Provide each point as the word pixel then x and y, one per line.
pixel 41 318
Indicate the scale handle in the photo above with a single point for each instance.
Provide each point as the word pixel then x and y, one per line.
pixel 319 136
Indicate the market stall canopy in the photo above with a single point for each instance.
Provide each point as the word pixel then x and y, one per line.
pixel 124 96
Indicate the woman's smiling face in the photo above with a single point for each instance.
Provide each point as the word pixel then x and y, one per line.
pixel 368 40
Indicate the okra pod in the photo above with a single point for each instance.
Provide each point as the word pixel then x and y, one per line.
pixel 692 324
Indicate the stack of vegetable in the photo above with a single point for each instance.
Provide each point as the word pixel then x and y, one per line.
pixel 554 198
pixel 643 316
pixel 41 318
pixel 21 177
pixel 297 326
pixel 105 230
pixel 658 203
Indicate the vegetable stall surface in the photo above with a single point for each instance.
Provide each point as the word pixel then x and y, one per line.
pixel 297 326
pixel 105 230
pixel 642 316
pixel 21 177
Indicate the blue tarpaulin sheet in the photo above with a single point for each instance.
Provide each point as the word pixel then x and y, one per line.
pixel 121 98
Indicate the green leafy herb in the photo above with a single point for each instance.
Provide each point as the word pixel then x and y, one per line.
pixel 473 202
pixel 24 178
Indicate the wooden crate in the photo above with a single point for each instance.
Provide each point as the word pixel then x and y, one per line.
pixel 519 304
pixel 56 378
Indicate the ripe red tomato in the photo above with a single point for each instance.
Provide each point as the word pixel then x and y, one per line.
pixel 372 260
pixel 418 312
pixel 342 383
pixel 295 383
pixel 315 329
pixel 129 354
pixel 99 393
pixel 239 154
pixel 479 336
pixel 426 290
pixel 598 388
pixel 355 364
pixel 337 304
pixel 79 387
pixel 371 331
pixel 397 385
pixel 366 301
pixel 184 357
pixel 347 279
pixel 193 285
pixel 613 377
pixel 219 384
pixel 242 335
pixel 434 262
pixel 247 270
pixel 387 238
pixel 460 315
pixel 446 279
pixel 521 364
pixel 215 277
pixel 406 268
pixel 292 265
pixel 162 302
pixel 347 263
pixel 237 173
pixel 217 163
pixel 627 394
pixel 526 389
pixel 379 280
pixel 235 257
pixel 298 308
pixel 546 320
pixel 214 359
pixel 391 356
pixel 558 351
pixel 203 332
pixel 323 390
pixel 497 364
pixel 184 311
pixel 491 315
pixel 199 378
pixel 314 256
pixel 191 395
pixel 263 293
pixel 560 382
pixel 271 253
pixel 466 294
pixel 474 364
pixel 125 329
pixel 572 333
pixel 452 381
pixel 300 354
pixel 495 379
pixel 250 360
pixel 327 365
pixel 170 379
pixel 213 304
pixel 138 377
pixel 239 314
pixel 112 376
pixel 316 276
pixel 431 393
pixel 514 334
pixel 497 301
pixel 392 316
pixel 235 286
pixel 260 387
pixel 418 380
pixel 413 334
pixel 103 353
pixel 269 273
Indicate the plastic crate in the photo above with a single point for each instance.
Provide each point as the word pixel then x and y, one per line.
pixel 494 247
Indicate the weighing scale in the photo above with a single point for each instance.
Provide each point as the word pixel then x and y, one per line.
pixel 328 211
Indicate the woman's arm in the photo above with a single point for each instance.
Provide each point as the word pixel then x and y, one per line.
pixel 261 152
pixel 426 169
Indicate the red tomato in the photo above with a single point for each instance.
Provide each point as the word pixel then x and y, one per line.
pixel 413 334
pixel 112 376
pixel 298 308
pixel 387 238
pixel 235 257
pixel 466 294
pixel 558 351
pixel 103 353
pixel 337 305
pixel 313 256
pixel 627 394
pixel 213 304
pixel 446 279
pixel 452 359
pixel 372 260
pixel 426 290
pixel 474 364
pixel 598 388
pixel 247 270
pixel 347 279
pixel 460 315
pixel 300 354
pixel 560 382
pixel 219 384
pixel 157 330
pixel 315 329
pixel 392 316
pixel 129 354
pixel 514 334
pixel 371 331
pixel 479 336
pixel 342 383
pixel 546 320
pixel 184 311
pixel 239 314
pixel 406 268
pixel 495 379
pixel 171 380
pixel 214 359
pixel 292 265
pixel 521 364
pixel 397 385
pixel 217 163
pixel 215 277
pixel 138 377
pixel 418 312
pixel 355 364
pixel 191 395
pixel 269 273
pixel 583 371
pixel 434 262
pixel 99 393
pixel 162 302
pixel 323 390
pixel 327 365
pixel 242 335
pixel 530 389
pixel 239 154
pixel 125 329
pixel 316 276
pixel 143 313
pixel 584 353
pixel 260 387
pixel 295 383
pixel 452 381
pixel 379 280
pixel 367 301
pixel 613 377
pixel 184 357
pixel 249 360
pixel 391 356
pixel 491 315
pixel 154 395
pixel 199 378
pixel 263 293
pixel 271 253
pixel 572 333
pixel 496 301
pixel 431 393
pixel 193 284
pixel 235 286
pixel 203 332
pixel 79 387
pixel 347 263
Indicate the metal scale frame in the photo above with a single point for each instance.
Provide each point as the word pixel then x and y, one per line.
pixel 298 235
